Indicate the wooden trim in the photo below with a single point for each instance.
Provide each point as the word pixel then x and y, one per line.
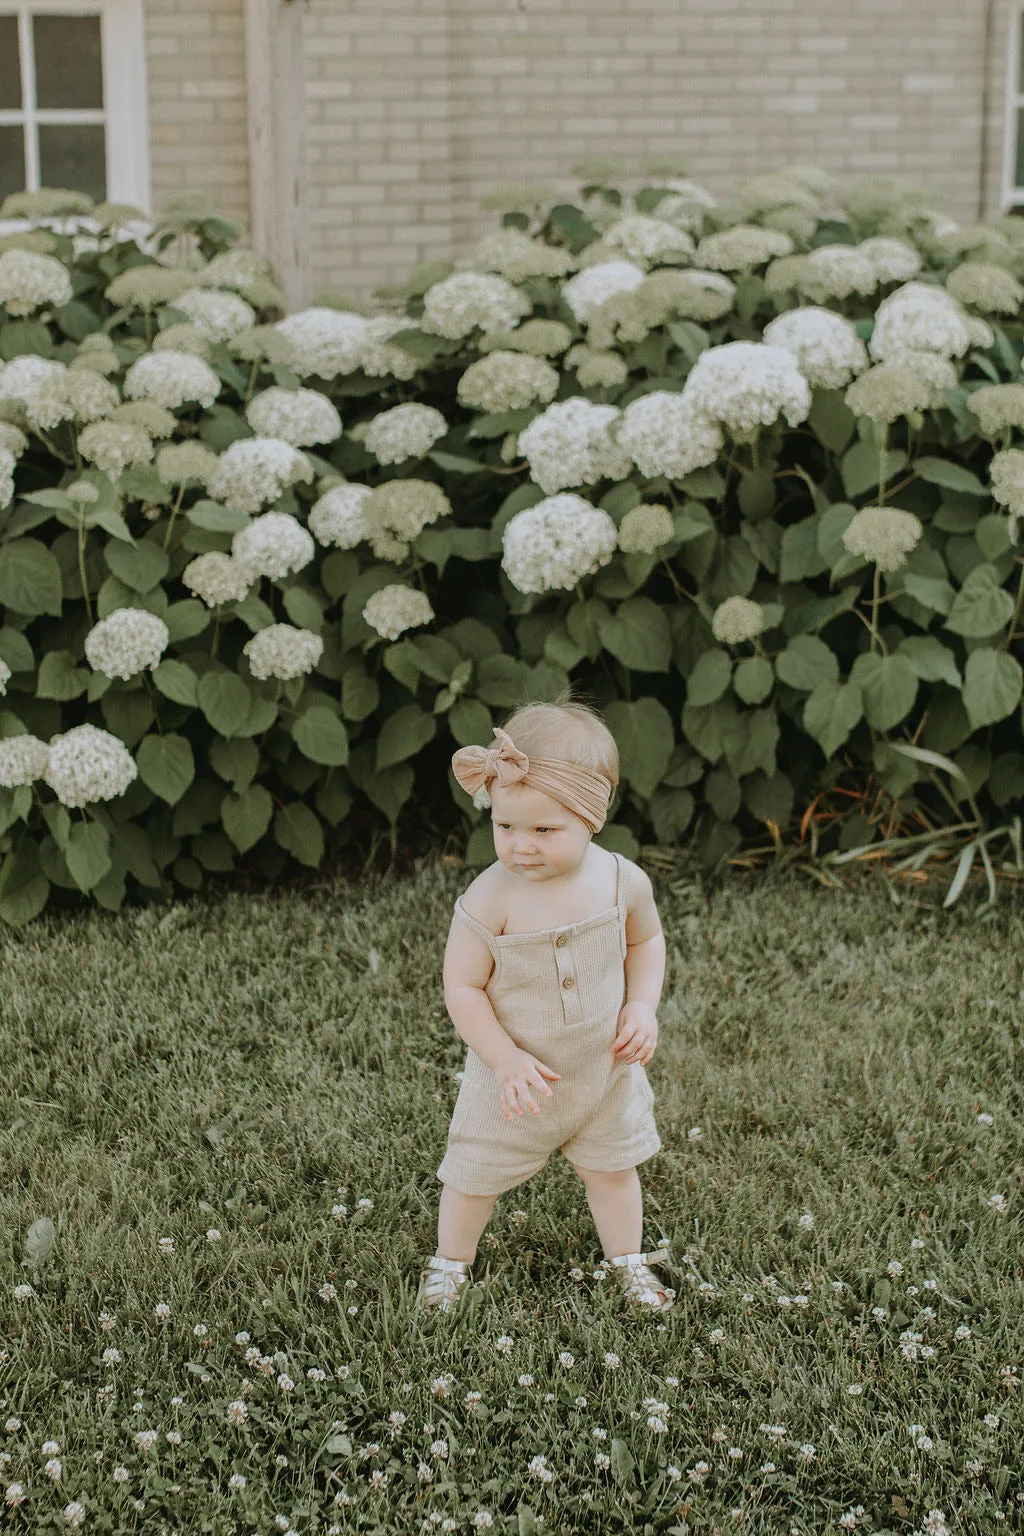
pixel 275 88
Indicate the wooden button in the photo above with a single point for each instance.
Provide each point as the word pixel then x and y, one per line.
pixel 563 938
pixel 570 981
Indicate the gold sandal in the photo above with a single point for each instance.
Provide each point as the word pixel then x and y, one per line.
pixel 440 1282
pixel 640 1284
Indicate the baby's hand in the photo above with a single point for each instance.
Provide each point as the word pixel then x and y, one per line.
pixel 636 1033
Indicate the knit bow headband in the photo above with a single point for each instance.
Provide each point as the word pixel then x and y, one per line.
pixel 583 793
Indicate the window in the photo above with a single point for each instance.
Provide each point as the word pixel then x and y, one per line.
pixel 73 98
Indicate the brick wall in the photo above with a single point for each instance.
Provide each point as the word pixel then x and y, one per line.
pixel 195 52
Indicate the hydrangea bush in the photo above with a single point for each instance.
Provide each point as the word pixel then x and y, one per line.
pixel 744 470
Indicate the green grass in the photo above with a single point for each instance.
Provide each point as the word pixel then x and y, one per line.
pixel 281 1069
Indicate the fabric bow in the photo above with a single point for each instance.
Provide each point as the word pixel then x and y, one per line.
pixel 582 792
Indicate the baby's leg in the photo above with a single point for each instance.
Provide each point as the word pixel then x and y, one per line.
pixel 617 1204
pixel 460 1221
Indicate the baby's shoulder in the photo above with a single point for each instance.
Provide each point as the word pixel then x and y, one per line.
pixel 485 898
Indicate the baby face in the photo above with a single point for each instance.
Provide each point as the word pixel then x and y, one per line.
pixel 535 837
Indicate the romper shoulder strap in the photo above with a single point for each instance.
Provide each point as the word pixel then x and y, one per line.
pixel 474 923
pixel 621 890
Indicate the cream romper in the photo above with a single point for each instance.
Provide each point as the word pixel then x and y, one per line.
pixel 558 993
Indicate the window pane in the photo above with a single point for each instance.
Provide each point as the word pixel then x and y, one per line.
pixel 69 68
pixel 12 160
pixel 10 67
pixel 73 156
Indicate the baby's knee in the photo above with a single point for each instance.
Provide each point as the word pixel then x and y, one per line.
pixel 604 1178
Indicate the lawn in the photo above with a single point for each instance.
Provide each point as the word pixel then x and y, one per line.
pixel 231 1112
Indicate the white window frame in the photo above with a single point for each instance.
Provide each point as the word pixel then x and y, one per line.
pixel 1012 195
pixel 125 111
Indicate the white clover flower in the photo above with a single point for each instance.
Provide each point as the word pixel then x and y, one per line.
pixel 556 542
pixel 7 463
pixel 919 316
pixel 273 545
pixel 642 238
pixel 597 367
pixel 571 443
pixel 89 394
pixel 297 416
pixel 996 406
pixel 741 248
pixel 87 764
pixel 23 759
pixel 748 384
pixel 283 652
pixel 12 439
pixel 126 642
pixel 645 528
pixel 885 535
pixel 458 305
pixel 170 378
pixel 893 260
pixel 393 609
pixel 216 578
pixel 985 286
pixel 398 510
pixel 338 518
pixel 113 445
pixel 253 471
pixel 177 463
pixel 29 280
pixel 736 620
pixel 591 287
pixel 826 346
pixel 669 434
pixel 834 272
pixel 507 381
pixel 515 256
pixel 218 315
pixel 36 384
pixel 404 432
pixel 888 390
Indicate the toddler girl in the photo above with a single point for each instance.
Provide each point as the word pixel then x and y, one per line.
pixel 552 974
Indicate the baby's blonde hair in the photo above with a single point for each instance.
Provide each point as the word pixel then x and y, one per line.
pixel 568 729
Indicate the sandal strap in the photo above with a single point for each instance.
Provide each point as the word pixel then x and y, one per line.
pixel 448 1266
pixel 656 1256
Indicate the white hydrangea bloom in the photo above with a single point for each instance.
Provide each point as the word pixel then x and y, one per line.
pixel 237 268
pixel 737 620
pixel 217 314
pixel 825 345
pixel 667 434
pixel 1007 474
pixel 338 517
pixel 645 528
pixel 297 416
pixel 273 545
pixel 834 272
pixel 89 394
pixel 458 305
pixel 29 279
pixel 893 260
pixel 155 419
pixel 36 384
pixel 178 462
pixel 591 287
pixel 325 342
pixel 919 316
pixel 7 463
pixel 571 443
pixel 748 384
pixel 515 256
pixel 507 381
pixel 597 367
pixel 393 609
pixel 283 652
pixel 126 642
pixel 556 542
pixel 642 238
pixel 5 675
pixel 985 286
pixel 379 359
pixel 113 445
pixel 398 510
pixel 183 337
pixel 997 406
pixel 937 372
pixel 12 439
pixel 888 390
pixel 885 535
pixel 170 378
pixel 741 248
pixel 253 471
pixel 23 759
pixel 979 332
pixel 216 578
pixel 404 432
pixel 87 764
